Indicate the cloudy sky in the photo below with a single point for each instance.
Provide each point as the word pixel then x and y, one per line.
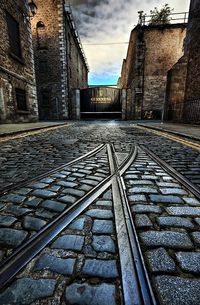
pixel 102 22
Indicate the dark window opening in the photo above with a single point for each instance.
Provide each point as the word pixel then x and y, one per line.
pixel 45 101
pixel 43 66
pixel 21 99
pixel 41 36
pixel 40 24
pixel 14 35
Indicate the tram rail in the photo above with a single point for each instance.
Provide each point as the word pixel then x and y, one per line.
pixel 136 286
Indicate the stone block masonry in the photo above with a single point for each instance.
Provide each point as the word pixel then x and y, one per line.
pixel 152 51
pixel 163 49
pixel 77 253
pixel 166 216
pixel 192 47
pixel 60 62
pixel 18 99
pixel 175 90
pixel 183 93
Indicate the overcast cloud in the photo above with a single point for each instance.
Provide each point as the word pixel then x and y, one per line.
pixel 107 21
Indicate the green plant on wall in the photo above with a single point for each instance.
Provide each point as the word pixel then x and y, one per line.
pixel 161 16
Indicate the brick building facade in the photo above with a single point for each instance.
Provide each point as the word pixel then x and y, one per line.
pixel 183 105
pixel 18 102
pixel 59 59
pixel 152 51
pixel 175 90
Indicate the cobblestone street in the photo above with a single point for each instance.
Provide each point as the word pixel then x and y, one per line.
pixel 87 214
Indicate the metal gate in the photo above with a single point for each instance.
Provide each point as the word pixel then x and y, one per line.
pixel 101 102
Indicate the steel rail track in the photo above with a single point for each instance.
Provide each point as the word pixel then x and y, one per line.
pixel 24 183
pixel 135 282
pixel 195 190
pixel 25 253
pixel 137 289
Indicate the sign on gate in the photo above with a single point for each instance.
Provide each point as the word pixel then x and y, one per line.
pixel 101 100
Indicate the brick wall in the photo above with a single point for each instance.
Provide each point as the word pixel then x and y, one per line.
pixel 175 90
pixel 164 46
pixel 152 51
pixel 193 49
pixel 59 64
pixel 183 89
pixel 16 72
pixel 45 29
pixel 130 78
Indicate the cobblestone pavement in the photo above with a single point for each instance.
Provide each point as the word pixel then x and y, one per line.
pixel 24 158
pixel 82 264
pixel 167 219
pixel 79 267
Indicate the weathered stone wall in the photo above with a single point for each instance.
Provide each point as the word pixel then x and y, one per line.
pixel 129 73
pixel 59 64
pixel 175 91
pixel 183 86
pixel 193 48
pixel 164 46
pixel 16 72
pixel 77 68
pixel 152 51
pixel 45 29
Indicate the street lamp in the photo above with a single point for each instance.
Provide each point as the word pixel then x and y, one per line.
pixel 32 8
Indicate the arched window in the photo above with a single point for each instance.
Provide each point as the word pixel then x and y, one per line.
pixel 41 35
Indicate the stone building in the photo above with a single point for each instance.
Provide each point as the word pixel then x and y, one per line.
pixel 152 51
pixel 59 59
pixel 18 102
pixel 183 85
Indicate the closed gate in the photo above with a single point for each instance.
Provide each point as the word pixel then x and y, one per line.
pixel 101 102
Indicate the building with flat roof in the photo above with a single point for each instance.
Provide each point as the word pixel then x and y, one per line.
pixel 18 99
pixel 152 51
pixel 183 84
pixel 60 62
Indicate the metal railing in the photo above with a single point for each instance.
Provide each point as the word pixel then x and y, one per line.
pixel 174 18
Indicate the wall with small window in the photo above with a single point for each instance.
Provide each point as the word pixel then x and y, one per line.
pixel 45 31
pixel 60 66
pixel 18 99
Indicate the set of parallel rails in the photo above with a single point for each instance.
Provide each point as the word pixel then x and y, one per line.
pixel 135 282
pixel 194 189
pixel 137 288
pixel 73 162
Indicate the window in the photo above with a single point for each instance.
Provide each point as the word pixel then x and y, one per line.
pixel 41 35
pixel 21 99
pixel 45 94
pixel 43 66
pixel 14 36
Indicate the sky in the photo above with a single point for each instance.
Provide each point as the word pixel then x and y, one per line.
pixel 100 22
